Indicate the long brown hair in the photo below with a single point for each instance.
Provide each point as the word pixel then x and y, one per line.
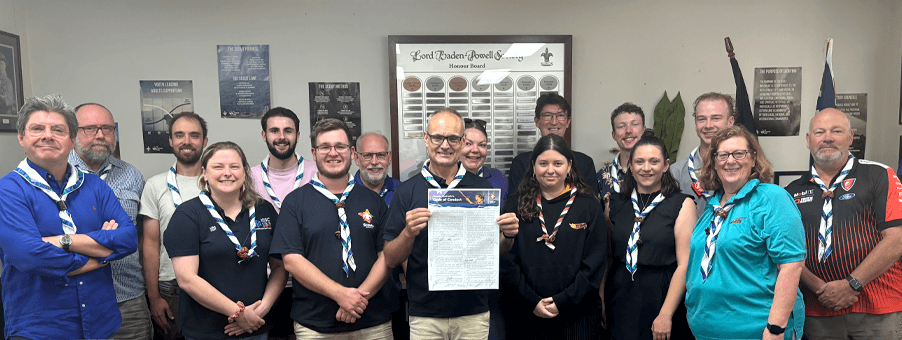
pixel 248 196
pixel 762 170
pixel 529 189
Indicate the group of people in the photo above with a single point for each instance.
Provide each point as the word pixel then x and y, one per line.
pixel 703 248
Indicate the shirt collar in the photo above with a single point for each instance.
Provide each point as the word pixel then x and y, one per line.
pixel 46 174
pixel 387 184
pixel 81 164
pixel 746 189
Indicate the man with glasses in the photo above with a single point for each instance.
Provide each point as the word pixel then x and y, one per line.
pixel 552 116
pixel 94 146
pixel 163 193
pixel 462 314
pixel 627 127
pixel 373 157
pixel 61 228
pixel 712 112
pixel 852 214
pixel 329 235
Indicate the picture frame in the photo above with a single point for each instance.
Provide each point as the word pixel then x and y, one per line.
pixel 783 178
pixel 12 96
pixel 495 78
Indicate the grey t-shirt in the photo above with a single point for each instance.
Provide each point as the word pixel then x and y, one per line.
pixel 681 172
pixel 156 203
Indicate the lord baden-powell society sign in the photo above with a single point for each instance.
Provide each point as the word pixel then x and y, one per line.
pixel 493 78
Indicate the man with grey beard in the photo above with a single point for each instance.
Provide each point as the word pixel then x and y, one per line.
pixel 373 157
pixel 94 146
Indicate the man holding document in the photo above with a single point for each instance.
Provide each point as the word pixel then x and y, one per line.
pixel 442 314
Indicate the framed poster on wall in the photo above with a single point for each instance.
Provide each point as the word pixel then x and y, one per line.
pixel 489 77
pixel 11 95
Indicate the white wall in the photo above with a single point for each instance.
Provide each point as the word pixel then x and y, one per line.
pixel 623 51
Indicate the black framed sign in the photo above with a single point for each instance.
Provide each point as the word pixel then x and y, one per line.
pixel 11 95
pixel 496 78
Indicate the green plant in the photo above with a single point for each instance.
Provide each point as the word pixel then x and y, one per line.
pixel 669 122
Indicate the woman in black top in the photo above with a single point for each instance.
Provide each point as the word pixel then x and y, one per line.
pixel 558 256
pixel 651 223
pixel 219 244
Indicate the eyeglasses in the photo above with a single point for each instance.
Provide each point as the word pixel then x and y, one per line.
pixel 59 131
pixel 737 155
pixel 546 116
pixel 437 140
pixel 327 148
pixel 369 155
pixel 92 129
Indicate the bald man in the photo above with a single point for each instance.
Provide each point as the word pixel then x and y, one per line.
pixel 460 314
pixel 852 211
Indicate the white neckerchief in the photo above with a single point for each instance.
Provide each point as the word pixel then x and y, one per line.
pixel 825 233
pixel 696 186
pixel 265 175
pixel 461 171
pixel 720 214
pixel 173 185
pixel 248 253
pixel 615 173
pixel 75 180
pixel 347 255
pixel 103 173
pixel 632 247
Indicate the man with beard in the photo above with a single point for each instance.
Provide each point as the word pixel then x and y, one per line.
pixel 712 112
pixel 162 194
pixel 94 146
pixel 852 215
pixel 338 283
pixel 373 157
pixel 282 170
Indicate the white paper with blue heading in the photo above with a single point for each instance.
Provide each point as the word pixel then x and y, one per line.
pixel 463 237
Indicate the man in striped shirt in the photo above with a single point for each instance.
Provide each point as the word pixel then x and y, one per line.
pixel 852 210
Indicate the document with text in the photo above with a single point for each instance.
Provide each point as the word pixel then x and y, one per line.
pixel 463 239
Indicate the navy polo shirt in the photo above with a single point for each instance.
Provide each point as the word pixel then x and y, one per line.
pixel 412 194
pixel 192 231
pixel 307 225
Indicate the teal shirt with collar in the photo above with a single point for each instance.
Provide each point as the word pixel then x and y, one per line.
pixel 762 230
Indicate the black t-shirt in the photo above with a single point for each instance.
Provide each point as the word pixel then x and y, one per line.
pixel 658 247
pixel 521 165
pixel 410 195
pixel 307 225
pixel 192 231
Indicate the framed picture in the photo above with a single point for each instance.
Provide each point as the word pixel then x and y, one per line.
pixel 11 96
pixel 494 78
pixel 783 178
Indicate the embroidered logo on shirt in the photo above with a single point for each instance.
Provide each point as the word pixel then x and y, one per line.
pixel 804 196
pixel 367 217
pixel 846 197
pixel 264 223
pixel 738 220
pixel 212 228
pixel 578 226
pixel 847 184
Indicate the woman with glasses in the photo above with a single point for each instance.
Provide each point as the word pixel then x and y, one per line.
pixel 651 222
pixel 219 244
pixel 747 250
pixel 558 256
pixel 474 154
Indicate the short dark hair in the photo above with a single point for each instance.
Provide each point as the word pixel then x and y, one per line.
pixel 715 96
pixel 627 108
pixel 326 125
pixel 189 115
pixel 551 99
pixel 669 184
pixel 280 112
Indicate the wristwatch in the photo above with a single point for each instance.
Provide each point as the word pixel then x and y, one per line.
pixel 66 241
pixel 854 283
pixel 775 330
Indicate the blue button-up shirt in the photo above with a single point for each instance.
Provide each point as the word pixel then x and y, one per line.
pixel 128 184
pixel 39 300
pixel 388 187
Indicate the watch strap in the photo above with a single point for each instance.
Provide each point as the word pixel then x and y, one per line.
pixel 854 283
pixel 775 330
